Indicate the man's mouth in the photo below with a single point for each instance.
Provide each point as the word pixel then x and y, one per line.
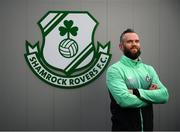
pixel 134 50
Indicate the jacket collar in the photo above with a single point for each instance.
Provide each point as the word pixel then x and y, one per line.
pixel 129 62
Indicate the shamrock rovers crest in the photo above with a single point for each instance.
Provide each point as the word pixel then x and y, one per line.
pixel 68 56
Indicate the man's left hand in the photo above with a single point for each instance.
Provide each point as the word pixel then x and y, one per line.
pixel 153 87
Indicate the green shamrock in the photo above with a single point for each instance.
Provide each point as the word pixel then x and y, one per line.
pixel 68 29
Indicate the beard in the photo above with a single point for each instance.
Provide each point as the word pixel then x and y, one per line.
pixel 130 54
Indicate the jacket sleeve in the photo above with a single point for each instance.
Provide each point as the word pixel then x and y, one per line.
pixel 157 96
pixel 117 87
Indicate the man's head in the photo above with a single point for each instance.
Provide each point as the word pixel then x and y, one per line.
pixel 130 44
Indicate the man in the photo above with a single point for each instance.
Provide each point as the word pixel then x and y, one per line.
pixel 134 87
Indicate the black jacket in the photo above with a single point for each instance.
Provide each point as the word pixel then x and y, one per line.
pixel 131 119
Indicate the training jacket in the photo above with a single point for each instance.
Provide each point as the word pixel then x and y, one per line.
pixel 133 111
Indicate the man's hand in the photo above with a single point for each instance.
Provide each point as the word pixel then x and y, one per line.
pixel 134 92
pixel 153 87
pixel 130 91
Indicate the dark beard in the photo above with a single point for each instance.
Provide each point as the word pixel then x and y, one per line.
pixel 130 55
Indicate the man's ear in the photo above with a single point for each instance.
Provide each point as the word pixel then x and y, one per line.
pixel 121 47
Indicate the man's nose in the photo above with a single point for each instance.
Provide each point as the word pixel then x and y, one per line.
pixel 134 43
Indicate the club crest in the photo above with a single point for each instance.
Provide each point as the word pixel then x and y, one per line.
pixel 68 56
pixel 148 79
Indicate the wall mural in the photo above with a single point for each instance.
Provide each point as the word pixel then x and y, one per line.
pixel 68 56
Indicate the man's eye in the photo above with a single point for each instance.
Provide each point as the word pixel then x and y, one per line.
pixel 137 41
pixel 129 41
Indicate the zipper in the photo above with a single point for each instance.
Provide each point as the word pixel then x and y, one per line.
pixel 141 116
pixel 139 84
pixel 141 120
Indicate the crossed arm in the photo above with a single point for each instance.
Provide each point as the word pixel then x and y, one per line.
pixel 152 87
pixel 126 97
